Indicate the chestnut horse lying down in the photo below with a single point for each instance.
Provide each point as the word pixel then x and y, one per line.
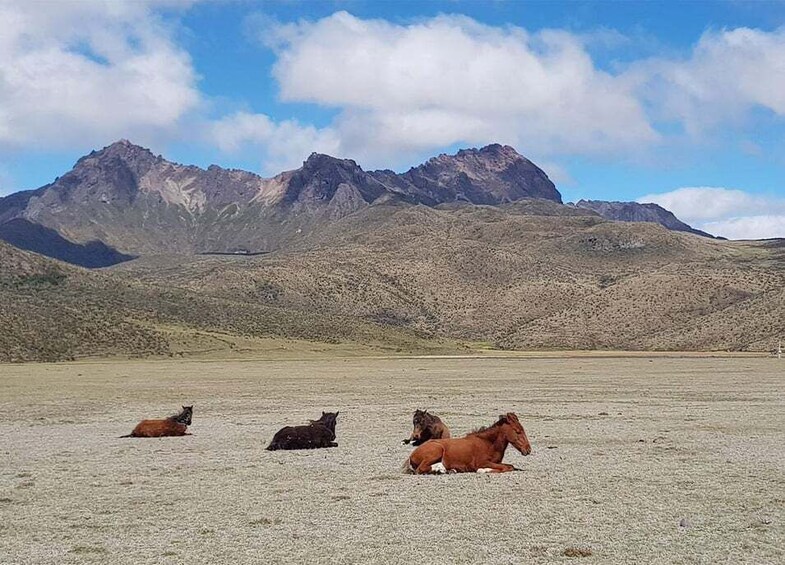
pixel 481 451
pixel 426 426
pixel 318 433
pixel 175 425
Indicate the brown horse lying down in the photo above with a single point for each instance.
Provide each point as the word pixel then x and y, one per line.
pixel 426 426
pixel 481 451
pixel 175 425
pixel 318 433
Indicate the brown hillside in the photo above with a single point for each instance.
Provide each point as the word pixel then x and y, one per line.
pixel 52 311
pixel 533 274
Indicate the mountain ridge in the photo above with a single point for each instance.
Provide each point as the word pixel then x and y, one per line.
pixel 640 212
pixel 134 202
pixel 137 202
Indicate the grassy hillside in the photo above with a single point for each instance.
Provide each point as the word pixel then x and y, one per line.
pixel 529 275
pixel 51 311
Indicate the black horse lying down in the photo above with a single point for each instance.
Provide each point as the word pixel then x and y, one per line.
pixel 319 433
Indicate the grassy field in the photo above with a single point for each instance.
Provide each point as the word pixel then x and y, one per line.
pixel 635 460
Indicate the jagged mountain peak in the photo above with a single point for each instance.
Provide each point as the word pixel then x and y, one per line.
pixel 122 149
pixel 493 150
pixel 322 160
pixel 493 174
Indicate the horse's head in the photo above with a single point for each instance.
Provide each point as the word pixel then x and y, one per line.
pixel 421 422
pixel 185 415
pixel 327 420
pixel 515 433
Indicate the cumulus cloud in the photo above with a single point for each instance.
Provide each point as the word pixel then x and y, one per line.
pixel 401 89
pixel 451 79
pixel 731 213
pixel 90 71
pixel 284 143
pixel 727 74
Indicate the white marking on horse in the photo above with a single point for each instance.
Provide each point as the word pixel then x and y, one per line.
pixel 485 470
pixel 438 468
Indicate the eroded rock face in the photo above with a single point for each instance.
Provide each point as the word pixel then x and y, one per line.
pixel 637 212
pixel 492 175
pixel 137 202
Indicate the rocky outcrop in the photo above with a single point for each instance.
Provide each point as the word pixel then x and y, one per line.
pixel 637 212
pixel 492 175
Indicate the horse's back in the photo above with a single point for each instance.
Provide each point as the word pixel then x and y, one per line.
pixel 159 428
pixel 302 437
pixel 442 446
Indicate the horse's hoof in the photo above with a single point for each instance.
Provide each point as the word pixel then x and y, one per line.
pixel 438 468
pixel 485 470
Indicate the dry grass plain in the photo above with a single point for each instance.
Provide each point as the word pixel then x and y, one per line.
pixel 624 451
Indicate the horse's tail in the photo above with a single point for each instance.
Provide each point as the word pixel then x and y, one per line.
pixel 406 468
pixel 127 435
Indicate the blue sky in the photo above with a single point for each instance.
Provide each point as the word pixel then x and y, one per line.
pixel 682 103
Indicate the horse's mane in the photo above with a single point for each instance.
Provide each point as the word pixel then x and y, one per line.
pixel 496 424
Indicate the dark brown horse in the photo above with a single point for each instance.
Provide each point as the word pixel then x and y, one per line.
pixel 318 433
pixel 426 426
pixel 175 425
pixel 481 451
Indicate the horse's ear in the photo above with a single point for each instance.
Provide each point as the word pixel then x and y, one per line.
pixel 324 413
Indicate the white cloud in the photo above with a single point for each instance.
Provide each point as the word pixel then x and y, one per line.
pixel 727 74
pixel 731 213
pixel 751 227
pixel 406 88
pixel 83 73
pixel 285 144
pixel 89 71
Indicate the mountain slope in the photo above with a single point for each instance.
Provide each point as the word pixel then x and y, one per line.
pixel 33 237
pixel 637 212
pixel 532 274
pixel 139 203
pixel 52 311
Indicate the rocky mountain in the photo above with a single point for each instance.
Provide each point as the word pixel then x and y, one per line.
pixel 494 174
pixel 136 202
pixel 637 212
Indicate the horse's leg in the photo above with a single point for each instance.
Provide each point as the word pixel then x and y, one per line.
pixel 434 463
pixel 431 467
pixel 495 468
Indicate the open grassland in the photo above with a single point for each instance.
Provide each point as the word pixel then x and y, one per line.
pixel 635 460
